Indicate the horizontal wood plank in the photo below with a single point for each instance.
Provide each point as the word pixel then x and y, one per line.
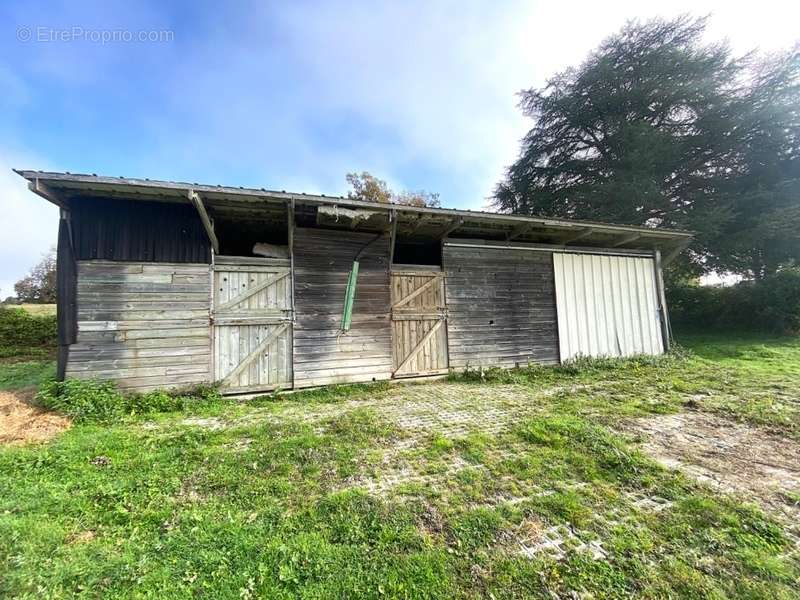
pixel 144 325
pixel 501 307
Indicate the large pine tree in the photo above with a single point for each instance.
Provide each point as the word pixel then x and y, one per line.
pixel 659 128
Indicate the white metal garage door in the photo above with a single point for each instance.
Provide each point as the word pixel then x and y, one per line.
pixel 607 305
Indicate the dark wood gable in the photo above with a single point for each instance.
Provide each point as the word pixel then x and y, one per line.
pixel 126 230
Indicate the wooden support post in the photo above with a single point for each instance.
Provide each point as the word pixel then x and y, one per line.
pixel 626 240
pixel 666 330
pixel 290 235
pixel 392 236
pixel 195 199
pixel 65 216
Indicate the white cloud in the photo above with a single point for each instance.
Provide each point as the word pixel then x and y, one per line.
pixel 413 90
pixel 441 79
pixel 29 224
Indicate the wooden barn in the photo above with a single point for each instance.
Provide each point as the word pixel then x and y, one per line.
pixel 165 284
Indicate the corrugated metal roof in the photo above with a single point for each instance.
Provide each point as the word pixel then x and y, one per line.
pixel 147 189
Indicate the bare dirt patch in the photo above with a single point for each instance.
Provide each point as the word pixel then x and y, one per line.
pixel 21 422
pixel 732 457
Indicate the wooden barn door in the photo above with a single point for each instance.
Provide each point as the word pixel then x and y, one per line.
pixel 419 315
pixel 252 324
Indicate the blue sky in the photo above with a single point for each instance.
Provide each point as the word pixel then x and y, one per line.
pixel 292 95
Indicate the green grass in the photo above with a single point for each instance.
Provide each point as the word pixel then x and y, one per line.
pixel 25 374
pixel 268 504
pixel 745 377
pixel 27 345
pixel 39 310
pixel 26 367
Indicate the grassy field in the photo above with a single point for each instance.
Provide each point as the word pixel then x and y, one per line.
pixel 446 490
pixel 39 310
pixel 17 375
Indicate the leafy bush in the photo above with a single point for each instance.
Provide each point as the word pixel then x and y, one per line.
pixel 83 400
pixel 20 329
pixel 777 301
pixel 771 305
pixel 92 401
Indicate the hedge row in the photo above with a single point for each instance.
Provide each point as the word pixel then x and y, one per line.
pixel 771 305
pixel 21 329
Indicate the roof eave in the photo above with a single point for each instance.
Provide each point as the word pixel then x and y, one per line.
pixel 54 181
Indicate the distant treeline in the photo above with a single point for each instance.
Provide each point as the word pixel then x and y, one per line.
pixel 771 305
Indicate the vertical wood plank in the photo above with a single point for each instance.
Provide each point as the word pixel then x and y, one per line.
pixel 261 314
pixel 414 319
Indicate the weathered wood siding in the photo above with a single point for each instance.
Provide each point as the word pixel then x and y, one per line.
pixel 145 325
pixel 322 353
pixel 501 307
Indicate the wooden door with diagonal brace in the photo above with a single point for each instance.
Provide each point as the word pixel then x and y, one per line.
pixel 252 324
pixel 419 319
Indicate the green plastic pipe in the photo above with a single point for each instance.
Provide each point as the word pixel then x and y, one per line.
pixel 349 297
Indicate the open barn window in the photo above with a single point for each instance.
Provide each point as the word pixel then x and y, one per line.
pixel 240 237
pixel 418 252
